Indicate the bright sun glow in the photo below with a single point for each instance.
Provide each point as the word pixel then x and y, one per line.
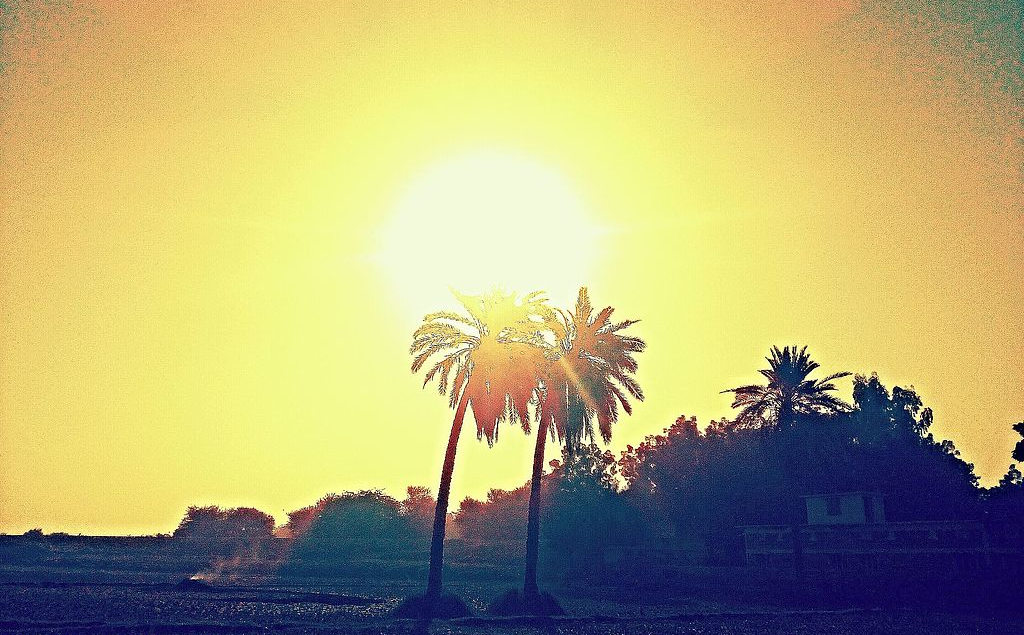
pixel 485 220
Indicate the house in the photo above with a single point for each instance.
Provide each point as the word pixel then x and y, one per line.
pixel 851 508
pixel 848 533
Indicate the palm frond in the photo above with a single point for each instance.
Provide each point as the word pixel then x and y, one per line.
pixel 451 316
pixel 591 378
pixel 789 388
pixel 835 376
pixel 583 306
pixel 612 327
pixel 601 319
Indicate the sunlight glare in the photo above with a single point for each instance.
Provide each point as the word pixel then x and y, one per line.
pixel 486 220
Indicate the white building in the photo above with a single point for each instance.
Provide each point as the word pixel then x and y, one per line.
pixel 850 508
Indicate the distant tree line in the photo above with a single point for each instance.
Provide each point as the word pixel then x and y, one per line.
pixel 687 485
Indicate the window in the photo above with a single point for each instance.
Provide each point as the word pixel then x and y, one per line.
pixel 833 506
pixel 869 510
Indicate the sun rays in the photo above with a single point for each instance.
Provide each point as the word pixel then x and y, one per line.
pixel 480 220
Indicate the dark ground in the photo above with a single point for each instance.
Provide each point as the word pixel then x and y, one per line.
pixel 47 600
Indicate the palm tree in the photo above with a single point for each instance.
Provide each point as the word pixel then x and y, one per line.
pixel 492 356
pixel 788 394
pixel 588 378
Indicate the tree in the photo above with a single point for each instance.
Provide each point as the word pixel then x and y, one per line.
pixel 354 525
pixel 200 521
pixel 889 447
pixel 706 483
pixel 589 374
pixel 495 354
pixel 582 491
pixel 1005 501
pixel 228 537
pixel 300 520
pixel 418 507
pixel 788 394
pixel 497 518
pixel 1012 478
pixel 242 524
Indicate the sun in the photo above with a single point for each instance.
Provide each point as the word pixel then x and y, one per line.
pixel 485 220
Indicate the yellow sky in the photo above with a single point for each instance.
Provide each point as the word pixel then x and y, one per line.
pixel 192 202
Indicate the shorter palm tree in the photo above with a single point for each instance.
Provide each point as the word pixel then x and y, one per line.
pixel 589 374
pixel 788 392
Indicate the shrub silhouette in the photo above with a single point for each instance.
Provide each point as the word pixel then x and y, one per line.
pixel 364 524
pixel 586 516
pixel 1005 501
pixel 501 516
pixel 212 522
pixel 418 507
pixel 229 539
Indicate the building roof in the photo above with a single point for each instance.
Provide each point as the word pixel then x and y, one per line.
pixel 853 493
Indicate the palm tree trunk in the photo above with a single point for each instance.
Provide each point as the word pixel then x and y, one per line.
pixel 787 421
pixel 434 580
pixel 533 519
pixel 798 548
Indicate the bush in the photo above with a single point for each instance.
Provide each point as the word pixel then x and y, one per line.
pixel 354 526
pixel 242 524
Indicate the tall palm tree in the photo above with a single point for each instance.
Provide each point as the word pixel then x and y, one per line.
pixel 491 354
pixel 589 375
pixel 788 394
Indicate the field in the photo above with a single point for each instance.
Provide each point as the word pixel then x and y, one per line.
pixel 47 600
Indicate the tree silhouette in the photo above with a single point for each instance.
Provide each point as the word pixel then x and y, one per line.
pixel 418 507
pixel 1012 478
pixel 788 392
pixel 588 378
pixel 241 523
pixel 1018 450
pixel 581 491
pixel 354 523
pixel 494 354
pixel 889 447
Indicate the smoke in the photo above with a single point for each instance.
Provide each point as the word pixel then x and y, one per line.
pixel 260 558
